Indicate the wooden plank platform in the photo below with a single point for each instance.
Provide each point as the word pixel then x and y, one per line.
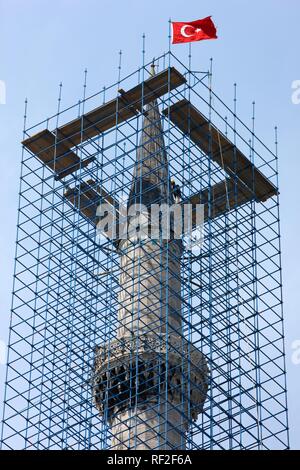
pixel 56 155
pixel 119 109
pixel 224 197
pixel 193 123
pixel 87 197
pixel 86 207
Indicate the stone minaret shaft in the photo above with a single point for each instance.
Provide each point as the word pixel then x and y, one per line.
pixel 150 381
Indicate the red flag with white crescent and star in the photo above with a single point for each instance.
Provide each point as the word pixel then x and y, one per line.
pixel 193 31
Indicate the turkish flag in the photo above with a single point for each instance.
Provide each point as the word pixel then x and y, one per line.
pixel 194 31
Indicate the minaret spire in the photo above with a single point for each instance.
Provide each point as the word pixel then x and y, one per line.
pixel 147 400
pixel 151 182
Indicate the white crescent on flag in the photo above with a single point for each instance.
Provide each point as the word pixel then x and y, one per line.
pixel 184 34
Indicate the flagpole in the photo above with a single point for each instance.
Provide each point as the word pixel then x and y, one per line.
pixel 170 34
pixel 190 56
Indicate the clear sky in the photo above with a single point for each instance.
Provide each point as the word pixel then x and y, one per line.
pixel 44 42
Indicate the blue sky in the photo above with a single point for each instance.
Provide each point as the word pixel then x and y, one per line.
pixel 44 42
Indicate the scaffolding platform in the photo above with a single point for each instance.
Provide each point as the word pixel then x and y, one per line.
pixel 211 140
pixel 58 156
pixel 222 197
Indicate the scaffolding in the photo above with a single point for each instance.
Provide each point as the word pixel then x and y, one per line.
pixel 202 365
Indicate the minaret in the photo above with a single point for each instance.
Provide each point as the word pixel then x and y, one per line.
pixel 150 382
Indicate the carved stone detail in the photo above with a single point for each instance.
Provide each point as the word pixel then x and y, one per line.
pixel 124 378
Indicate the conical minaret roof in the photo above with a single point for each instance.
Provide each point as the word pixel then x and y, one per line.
pixel 151 181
